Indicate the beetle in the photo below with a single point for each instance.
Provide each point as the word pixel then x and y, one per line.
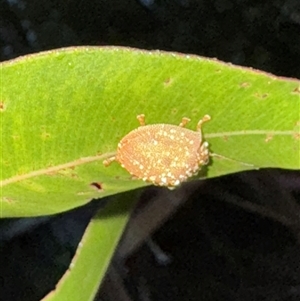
pixel 163 154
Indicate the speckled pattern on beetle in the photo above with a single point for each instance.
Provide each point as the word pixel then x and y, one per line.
pixel 163 154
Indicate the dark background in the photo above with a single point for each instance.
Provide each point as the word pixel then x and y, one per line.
pixel 218 250
pixel 260 34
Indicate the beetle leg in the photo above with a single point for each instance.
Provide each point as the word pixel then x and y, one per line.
pixel 204 153
pixel 108 161
pixel 184 122
pixel 201 121
pixel 141 119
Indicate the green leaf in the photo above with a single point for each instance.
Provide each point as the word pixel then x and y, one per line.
pixel 64 111
pixel 95 250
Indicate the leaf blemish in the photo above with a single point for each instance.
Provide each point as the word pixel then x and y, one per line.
pixel 15 137
pixel 269 138
pixel 261 95
pixel 45 135
pixel 8 200
pixel 297 136
pixel 2 108
pixel 96 185
pixel 168 82
pixel 245 85
pixel 296 90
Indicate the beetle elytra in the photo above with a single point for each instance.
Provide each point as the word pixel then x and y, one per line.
pixel 163 154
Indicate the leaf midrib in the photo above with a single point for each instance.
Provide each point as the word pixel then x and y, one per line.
pixel 86 160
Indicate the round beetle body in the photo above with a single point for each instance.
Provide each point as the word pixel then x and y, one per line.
pixel 163 154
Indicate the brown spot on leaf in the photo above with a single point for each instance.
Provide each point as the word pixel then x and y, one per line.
pixel 225 138
pixel 168 82
pixel 245 85
pixel 6 162
pixel 45 135
pixel 97 185
pixel 297 136
pixel 261 95
pixel 8 200
pixel 296 90
pixel 174 111
pixel 195 112
pixel 2 107
pixel 269 137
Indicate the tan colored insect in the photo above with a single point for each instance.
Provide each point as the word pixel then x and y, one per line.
pixel 163 154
